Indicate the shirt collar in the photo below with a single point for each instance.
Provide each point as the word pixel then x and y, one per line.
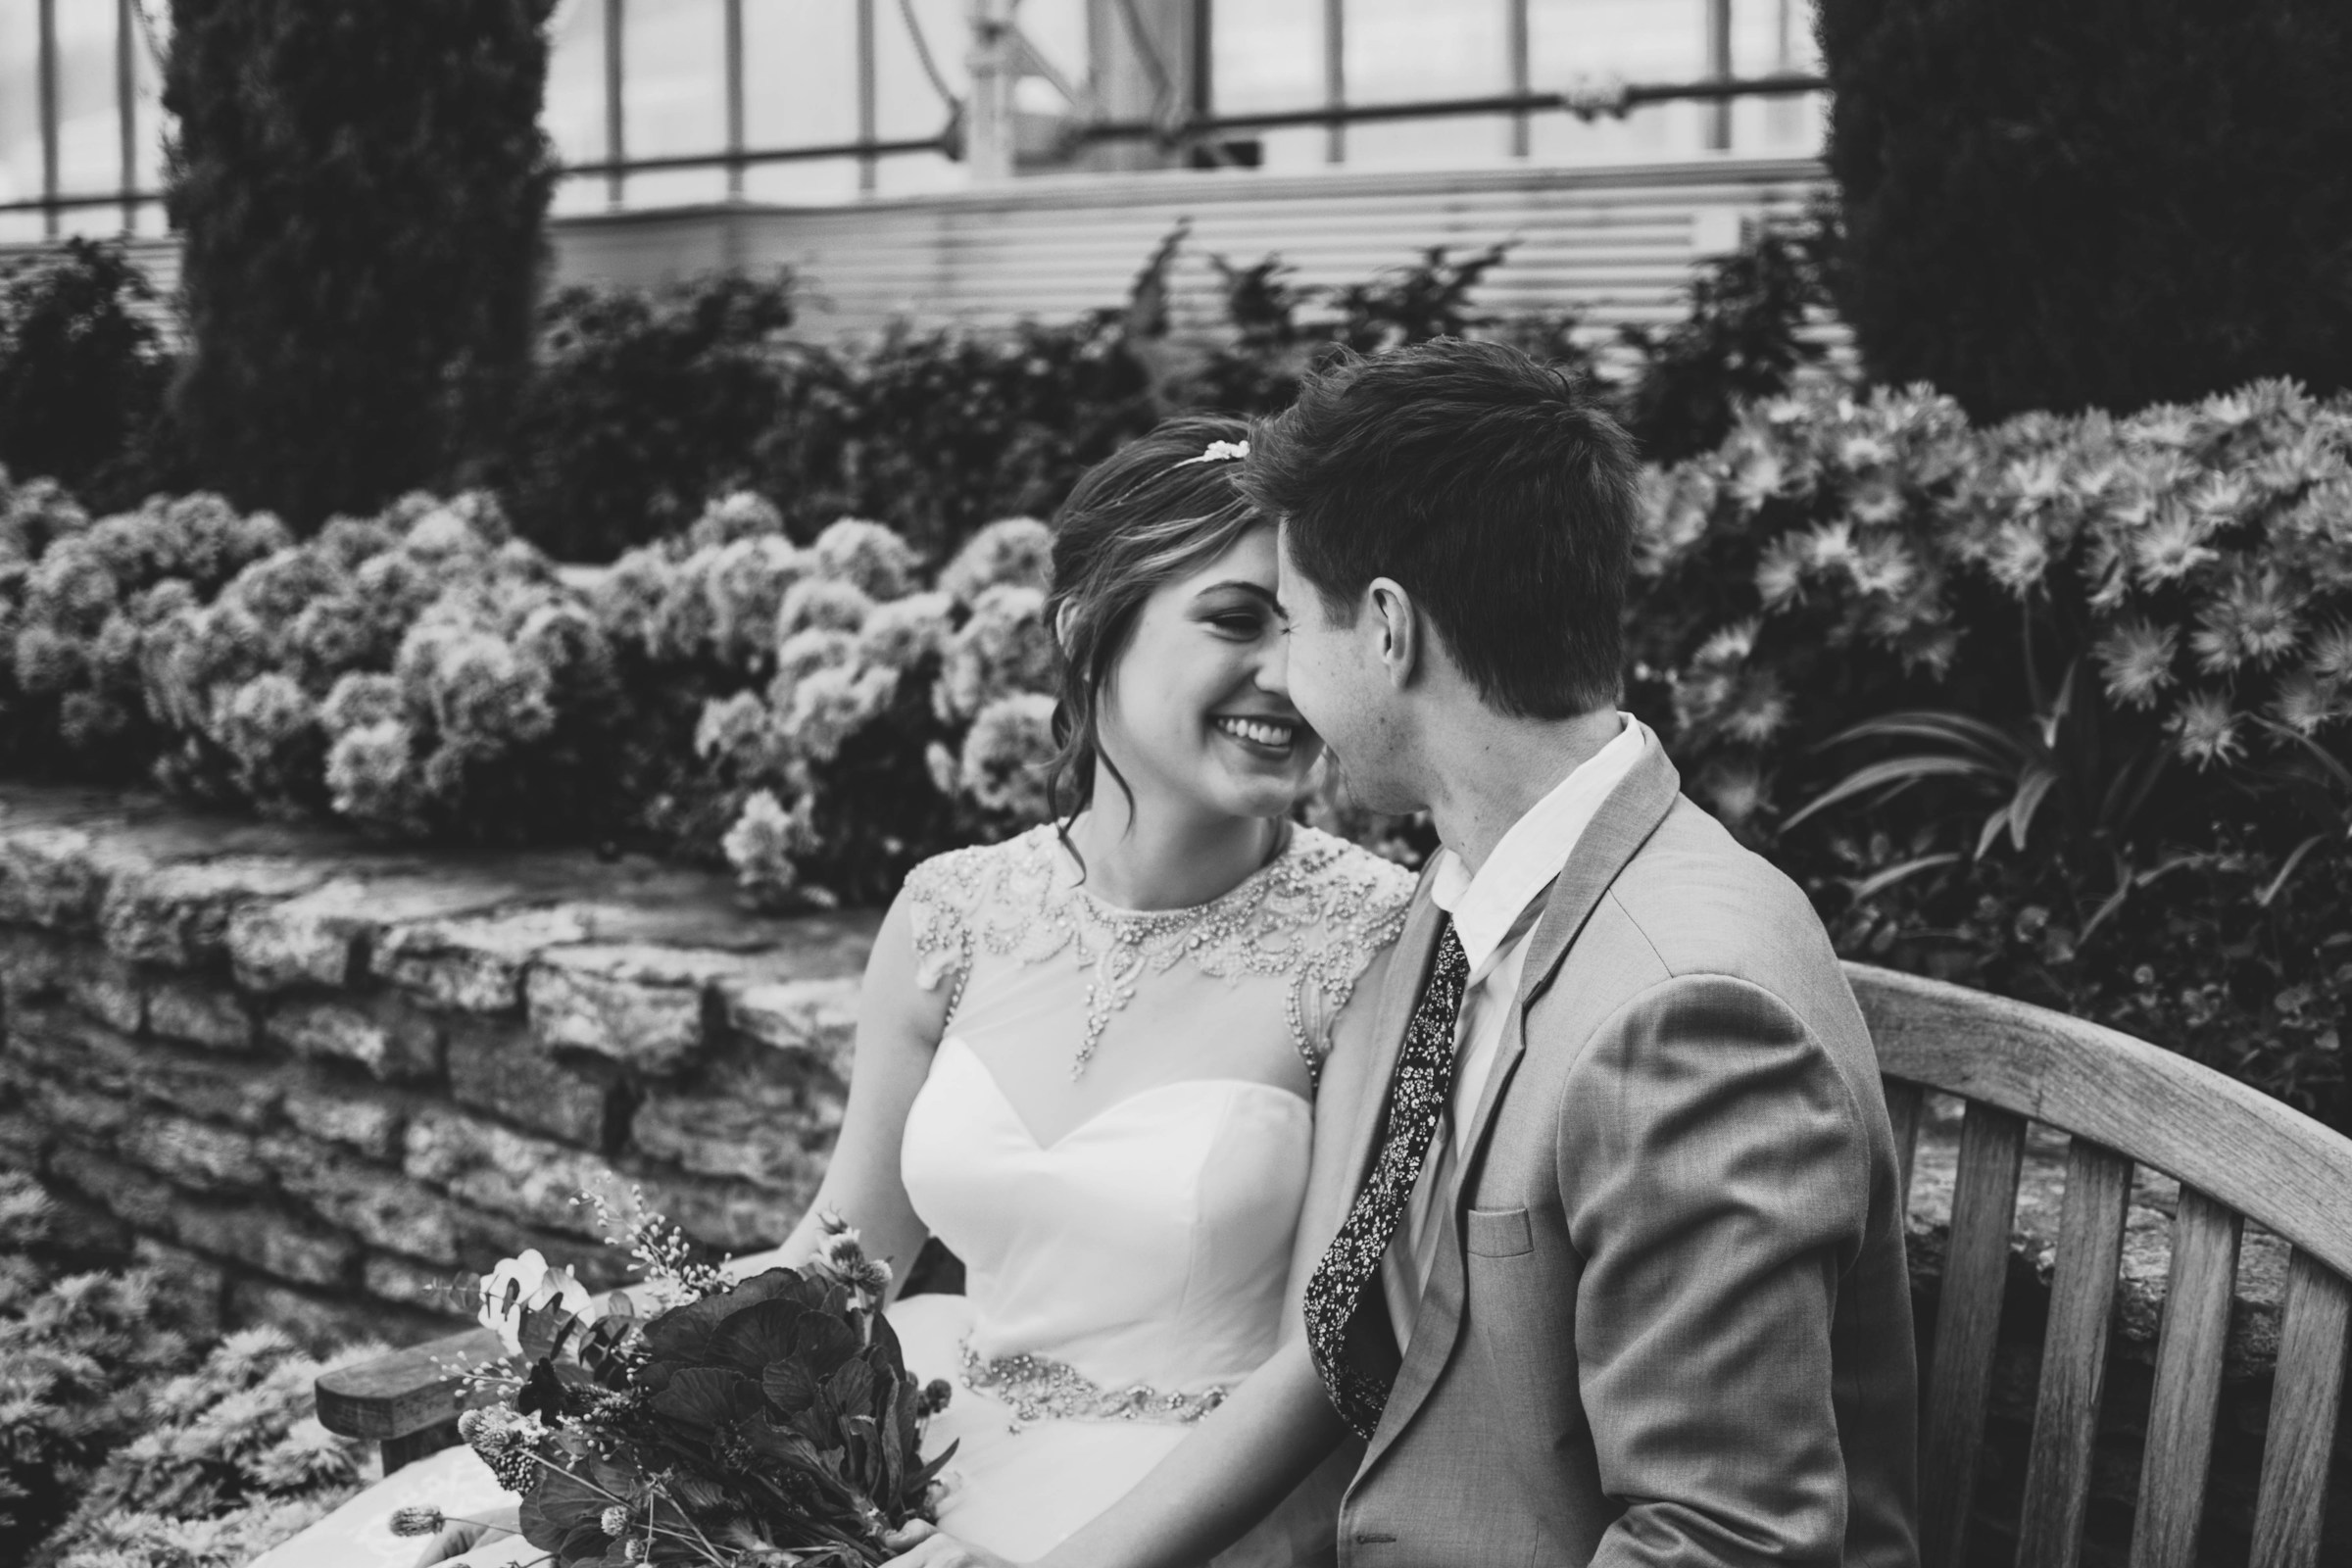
pixel 1488 907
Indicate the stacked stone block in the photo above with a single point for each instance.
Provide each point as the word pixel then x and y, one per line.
pixel 323 1082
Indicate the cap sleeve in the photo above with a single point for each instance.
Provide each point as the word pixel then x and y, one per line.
pixel 942 897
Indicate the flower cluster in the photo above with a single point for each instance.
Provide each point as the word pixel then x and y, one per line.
pixel 2197 558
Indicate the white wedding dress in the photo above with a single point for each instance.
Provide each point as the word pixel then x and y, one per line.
pixel 1125 1272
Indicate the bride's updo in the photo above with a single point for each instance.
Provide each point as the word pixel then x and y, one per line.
pixel 1156 510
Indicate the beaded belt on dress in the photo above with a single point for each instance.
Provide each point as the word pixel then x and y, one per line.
pixel 1038 1389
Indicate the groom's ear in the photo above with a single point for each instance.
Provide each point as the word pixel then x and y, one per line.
pixel 1395 629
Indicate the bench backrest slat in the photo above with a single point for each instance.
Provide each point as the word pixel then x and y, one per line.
pixel 2073 1356
pixel 2306 1398
pixel 1968 1322
pixel 1905 1104
pixel 2174 1465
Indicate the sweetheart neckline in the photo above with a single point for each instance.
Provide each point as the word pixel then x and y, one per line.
pixel 1045 1147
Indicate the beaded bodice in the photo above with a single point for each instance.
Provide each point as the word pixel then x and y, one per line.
pixel 1132 1267
pixel 1313 920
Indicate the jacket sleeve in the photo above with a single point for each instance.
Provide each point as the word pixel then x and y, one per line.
pixel 1715 1176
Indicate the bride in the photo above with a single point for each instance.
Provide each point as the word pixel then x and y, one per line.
pixel 1086 1057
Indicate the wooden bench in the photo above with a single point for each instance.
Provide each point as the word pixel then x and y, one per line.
pixel 2239 1155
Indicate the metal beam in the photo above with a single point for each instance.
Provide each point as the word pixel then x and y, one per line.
pixel 126 107
pixel 1335 80
pixel 1719 69
pixel 1516 42
pixel 48 93
pixel 734 69
pixel 866 165
pixel 616 150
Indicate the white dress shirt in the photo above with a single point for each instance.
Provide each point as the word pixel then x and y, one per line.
pixel 1494 915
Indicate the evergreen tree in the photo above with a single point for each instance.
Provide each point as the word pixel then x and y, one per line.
pixel 2099 202
pixel 363 188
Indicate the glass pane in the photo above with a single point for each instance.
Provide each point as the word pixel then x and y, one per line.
pixel 151 124
pixel 673 96
pixel 1395 52
pixel 1774 37
pixel 19 115
pixel 799 90
pixel 574 113
pixel 1265 55
pixel 907 104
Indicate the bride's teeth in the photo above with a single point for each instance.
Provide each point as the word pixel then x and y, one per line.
pixel 1263 734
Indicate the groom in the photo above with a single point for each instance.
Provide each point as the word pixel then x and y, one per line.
pixel 1604 1252
pixel 1618 1275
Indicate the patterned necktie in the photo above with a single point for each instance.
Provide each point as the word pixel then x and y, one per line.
pixel 1350 1269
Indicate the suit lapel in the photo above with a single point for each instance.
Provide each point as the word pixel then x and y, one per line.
pixel 1625 822
pixel 1408 967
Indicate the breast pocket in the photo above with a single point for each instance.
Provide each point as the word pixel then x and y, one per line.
pixel 1498 1233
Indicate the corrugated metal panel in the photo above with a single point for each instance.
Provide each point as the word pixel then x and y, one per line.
pixel 1614 243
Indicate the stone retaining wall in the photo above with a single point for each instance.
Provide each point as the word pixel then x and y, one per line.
pixel 318 1080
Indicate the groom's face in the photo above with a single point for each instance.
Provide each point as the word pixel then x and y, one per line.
pixel 1334 676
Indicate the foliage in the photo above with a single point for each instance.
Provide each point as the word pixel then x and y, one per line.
pixel 641 403
pixel 82 366
pixel 2024 243
pixel 1740 339
pixel 767 1421
pixel 360 190
pixel 2078 667
pixel 134 1436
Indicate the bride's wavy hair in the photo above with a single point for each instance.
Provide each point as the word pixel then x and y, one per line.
pixel 1146 515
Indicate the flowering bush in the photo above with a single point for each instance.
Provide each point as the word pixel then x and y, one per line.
pixel 134 1436
pixel 1910 653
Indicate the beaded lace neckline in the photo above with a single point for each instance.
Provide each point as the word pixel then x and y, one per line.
pixel 1314 916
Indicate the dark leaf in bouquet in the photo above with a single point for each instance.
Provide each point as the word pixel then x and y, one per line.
pixel 789 1385
pixel 819 1422
pixel 755 1336
pixel 851 1387
pixel 560 1512
pixel 542 1392
pixel 605 1350
pixel 907 1416
pixel 683 1333
pixel 706 1399
pixel 919 1483
pixel 543 1330
pixel 823 1342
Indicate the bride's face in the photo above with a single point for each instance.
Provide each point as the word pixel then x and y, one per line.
pixel 1193 710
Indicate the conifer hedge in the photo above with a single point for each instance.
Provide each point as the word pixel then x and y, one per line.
pixel 362 189
pixel 2106 203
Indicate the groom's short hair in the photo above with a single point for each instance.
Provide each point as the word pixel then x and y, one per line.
pixel 1490 486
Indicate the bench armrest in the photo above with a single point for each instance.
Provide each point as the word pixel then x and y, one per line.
pixel 406 1401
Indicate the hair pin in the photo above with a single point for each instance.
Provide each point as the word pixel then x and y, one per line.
pixel 1218 451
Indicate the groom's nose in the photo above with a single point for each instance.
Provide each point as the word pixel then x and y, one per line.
pixel 1274 666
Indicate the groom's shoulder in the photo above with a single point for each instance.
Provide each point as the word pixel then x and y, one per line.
pixel 1707 903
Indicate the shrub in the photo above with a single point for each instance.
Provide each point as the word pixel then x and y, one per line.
pixel 2005 697
pixel 2106 204
pixel 641 403
pixel 135 1432
pixel 360 189
pixel 82 366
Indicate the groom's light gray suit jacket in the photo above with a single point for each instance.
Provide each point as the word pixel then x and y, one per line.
pixel 1671 1323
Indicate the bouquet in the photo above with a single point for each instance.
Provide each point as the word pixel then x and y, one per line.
pixel 748 1424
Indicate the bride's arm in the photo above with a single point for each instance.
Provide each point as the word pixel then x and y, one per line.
pixel 899 1025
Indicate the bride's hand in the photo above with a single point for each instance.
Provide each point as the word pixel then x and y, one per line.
pixel 461 1536
pixel 926 1546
